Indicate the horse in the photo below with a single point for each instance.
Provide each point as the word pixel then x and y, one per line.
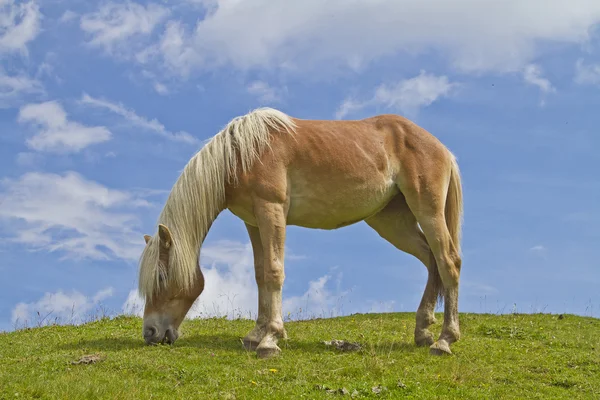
pixel 272 170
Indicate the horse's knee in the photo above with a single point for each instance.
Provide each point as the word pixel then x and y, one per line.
pixel 274 275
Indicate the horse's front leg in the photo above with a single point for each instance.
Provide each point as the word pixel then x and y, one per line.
pixel 272 226
pixel 254 337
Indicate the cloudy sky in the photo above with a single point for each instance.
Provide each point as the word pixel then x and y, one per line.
pixel 103 103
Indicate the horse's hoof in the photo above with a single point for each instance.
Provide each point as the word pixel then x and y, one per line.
pixel 424 339
pixel 440 348
pixel 250 344
pixel 268 352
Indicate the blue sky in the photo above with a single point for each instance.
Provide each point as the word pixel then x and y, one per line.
pixel 102 104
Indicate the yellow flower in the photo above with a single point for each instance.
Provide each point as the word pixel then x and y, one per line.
pixel 254 383
pixel 273 370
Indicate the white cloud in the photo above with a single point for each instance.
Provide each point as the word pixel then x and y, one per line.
pixel 45 69
pixel 230 287
pixel 56 133
pixel 265 93
pixel 311 35
pixel 532 74
pixel 414 93
pixel 587 74
pixel 19 25
pixel 69 214
pixel 161 88
pixel 59 307
pixel 114 26
pixel 14 88
pixel 175 50
pixel 538 248
pixel 540 251
pixel 157 80
pixel 349 106
pixel 134 305
pixel 406 96
pixel 68 16
pixel 135 119
pixel 103 294
pixel 317 301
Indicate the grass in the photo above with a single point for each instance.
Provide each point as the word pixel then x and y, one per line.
pixel 514 356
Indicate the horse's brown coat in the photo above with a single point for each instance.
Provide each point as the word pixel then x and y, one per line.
pixel 384 170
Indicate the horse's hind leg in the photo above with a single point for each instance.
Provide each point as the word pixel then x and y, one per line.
pixel 398 225
pixel 426 189
pixel 449 264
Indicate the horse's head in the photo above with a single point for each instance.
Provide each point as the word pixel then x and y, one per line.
pixel 169 292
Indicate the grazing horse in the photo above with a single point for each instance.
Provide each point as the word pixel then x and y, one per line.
pixel 272 170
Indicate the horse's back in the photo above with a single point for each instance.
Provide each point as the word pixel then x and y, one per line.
pixel 334 173
pixel 339 172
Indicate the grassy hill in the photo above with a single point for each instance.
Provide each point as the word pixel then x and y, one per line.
pixel 500 357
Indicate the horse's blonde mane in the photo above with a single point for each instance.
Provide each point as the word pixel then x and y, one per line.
pixel 198 195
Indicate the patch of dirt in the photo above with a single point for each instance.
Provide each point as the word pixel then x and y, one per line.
pixel 378 389
pixel 343 345
pixel 88 359
pixel 342 391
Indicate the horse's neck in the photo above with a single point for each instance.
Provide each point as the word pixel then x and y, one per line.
pixel 198 197
pixel 188 222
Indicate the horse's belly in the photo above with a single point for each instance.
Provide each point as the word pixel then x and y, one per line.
pixel 330 206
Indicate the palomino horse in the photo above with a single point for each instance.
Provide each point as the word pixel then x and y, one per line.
pixel 272 170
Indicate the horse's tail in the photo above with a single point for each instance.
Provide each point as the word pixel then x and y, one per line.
pixel 454 206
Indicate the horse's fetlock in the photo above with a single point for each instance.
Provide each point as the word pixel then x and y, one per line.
pixel 276 328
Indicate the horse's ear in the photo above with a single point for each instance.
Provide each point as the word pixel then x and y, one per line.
pixel 165 237
pixel 147 238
